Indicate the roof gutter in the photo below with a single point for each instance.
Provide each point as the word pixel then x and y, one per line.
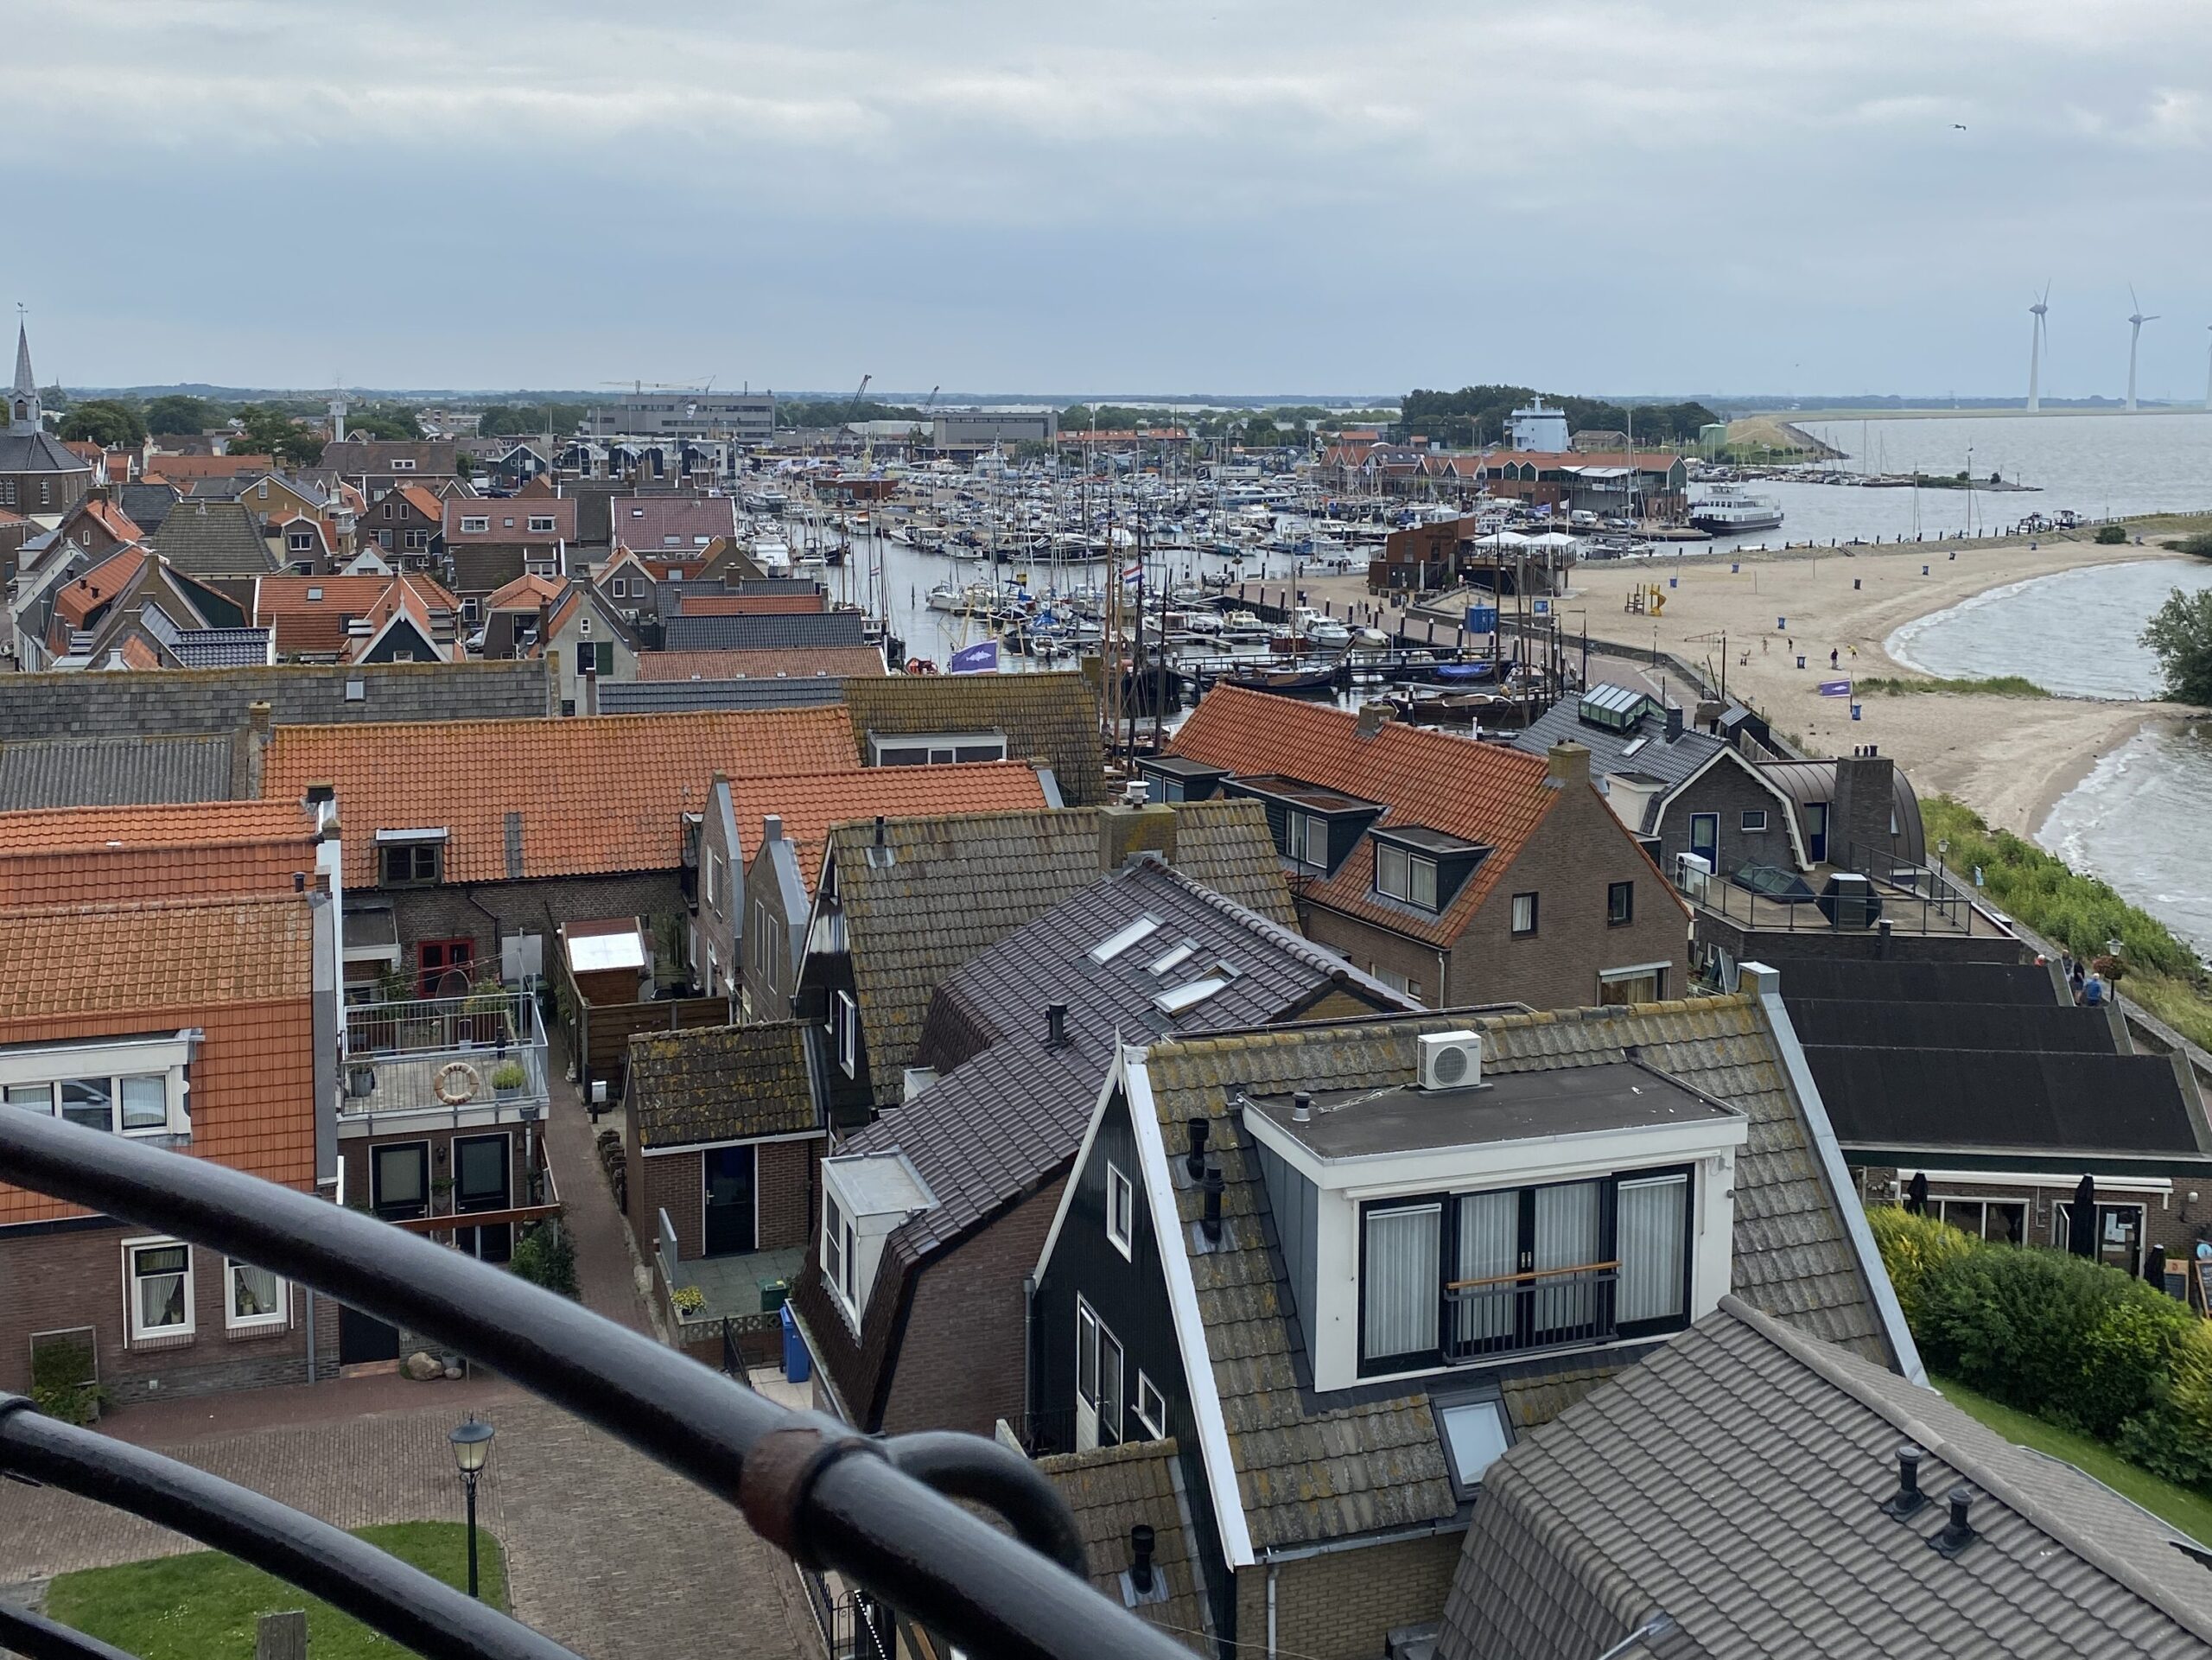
pixel 1273 1555
pixel 1765 984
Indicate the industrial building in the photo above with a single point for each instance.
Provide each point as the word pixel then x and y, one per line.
pixel 973 429
pixel 745 418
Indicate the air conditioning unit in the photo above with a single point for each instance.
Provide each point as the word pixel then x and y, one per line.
pixel 1692 872
pixel 1451 1060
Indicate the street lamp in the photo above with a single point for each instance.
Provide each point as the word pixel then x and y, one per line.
pixel 471 1449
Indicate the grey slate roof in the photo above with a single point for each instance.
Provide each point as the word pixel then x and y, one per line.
pixel 1671 761
pixel 484 568
pixel 1308 1471
pixel 37 452
pixel 147 505
pixel 214 538
pixel 113 772
pixel 219 648
pixel 659 697
pixel 1734 1481
pixel 720 1084
pixel 763 633
pixel 957 886
pixel 205 701
pixel 1050 718
pixel 1111 1490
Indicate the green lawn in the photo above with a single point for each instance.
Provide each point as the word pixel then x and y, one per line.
pixel 203 1606
pixel 2188 1510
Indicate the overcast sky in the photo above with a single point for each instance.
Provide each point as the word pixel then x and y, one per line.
pixel 1267 197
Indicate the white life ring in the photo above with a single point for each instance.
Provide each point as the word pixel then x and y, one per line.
pixel 459 1082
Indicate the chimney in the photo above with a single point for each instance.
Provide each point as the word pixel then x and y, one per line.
pixel 879 830
pixel 1569 764
pixel 1056 1025
pixel 1301 1108
pixel 1673 721
pixel 513 846
pixel 771 827
pixel 1958 1533
pixel 299 881
pixel 1126 831
pixel 250 754
pixel 1907 1498
pixel 1210 1224
pixel 1372 718
pixel 1194 1162
pixel 1140 1537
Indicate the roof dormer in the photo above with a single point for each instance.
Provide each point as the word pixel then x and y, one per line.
pixel 866 1197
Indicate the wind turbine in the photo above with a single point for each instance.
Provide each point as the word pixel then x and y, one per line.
pixel 2038 310
pixel 2208 374
pixel 2135 320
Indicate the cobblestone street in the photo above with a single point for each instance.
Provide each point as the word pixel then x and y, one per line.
pixel 606 1552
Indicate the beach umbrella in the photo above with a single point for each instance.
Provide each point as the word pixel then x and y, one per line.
pixel 2081 1233
pixel 1553 539
pixel 1915 1193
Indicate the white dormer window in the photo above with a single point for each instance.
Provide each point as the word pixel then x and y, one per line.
pixel 542 523
pixel 403 464
pixel 473 525
pixel 136 1086
pixel 936 749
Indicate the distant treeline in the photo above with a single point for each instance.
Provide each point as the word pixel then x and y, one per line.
pixel 521 420
pixel 1477 415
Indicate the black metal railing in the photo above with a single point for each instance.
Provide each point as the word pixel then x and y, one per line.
pixel 879 1513
pixel 1522 1313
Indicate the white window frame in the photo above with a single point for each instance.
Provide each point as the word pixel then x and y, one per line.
pixel 1152 1406
pixel 233 1321
pixel 403 464
pixel 542 524
pixel 713 880
pixel 1120 1211
pixel 137 1333
pixel 844 1029
pixel 837 1241
pixel 474 525
pixel 167 1057
pixel 1752 820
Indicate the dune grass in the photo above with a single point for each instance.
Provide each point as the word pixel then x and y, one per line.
pixel 205 1606
pixel 2001 685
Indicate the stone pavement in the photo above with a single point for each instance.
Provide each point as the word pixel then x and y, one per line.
pixel 606 1264
pixel 608 1553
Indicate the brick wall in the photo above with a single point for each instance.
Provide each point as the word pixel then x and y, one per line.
pixel 1728 791
pixel 673 1182
pixel 1379 951
pixel 961 1365
pixel 482 912
pixel 1343 1606
pixel 73 1277
pixel 786 1175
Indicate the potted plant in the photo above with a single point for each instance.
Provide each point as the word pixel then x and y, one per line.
pixel 687 1300
pixel 507 1079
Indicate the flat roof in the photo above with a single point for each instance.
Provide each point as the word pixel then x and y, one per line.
pixel 1506 1107
pixel 1317 797
pixel 1181 766
pixel 1427 840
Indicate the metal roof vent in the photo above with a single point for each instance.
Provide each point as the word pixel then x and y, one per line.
pixel 1210 1223
pixel 1907 1498
pixel 1958 1533
pixel 1194 1162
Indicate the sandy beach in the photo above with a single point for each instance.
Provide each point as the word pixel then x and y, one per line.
pixel 2010 758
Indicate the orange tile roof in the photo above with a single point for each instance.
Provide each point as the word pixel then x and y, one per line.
pixel 595 794
pixel 319 624
pixel 796 661
pixel 238 970
pixel 811 806
pixel 422 501
pixel 416 596
pixel 1482 792
pixel 176 469
pixel 109 518
pixel 137 654
pixel 98 585
pixel 750 605
pixel 83 854
pixel 526 592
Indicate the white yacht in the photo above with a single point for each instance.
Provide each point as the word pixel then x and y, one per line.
pixel 1732 509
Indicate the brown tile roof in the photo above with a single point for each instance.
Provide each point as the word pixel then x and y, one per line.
pixel 109 518
pixel 720 1084
pixel 179 468
pixel 422 501
pixel 1049 717
pixel 588 796
pixel 87 855
pixel 98 585
pixel 689 604
pixel 1111 1490
pixel 310 626
pixel 799 662
pixel 526 592
pixel 1482 792
pixel 238 970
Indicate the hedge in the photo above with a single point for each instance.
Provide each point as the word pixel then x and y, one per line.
pixel 2086 1346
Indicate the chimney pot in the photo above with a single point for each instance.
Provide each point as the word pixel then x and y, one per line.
pixel 1569 763
pixel 299 881
pixel 771 827
pixel 1211 1222
pixel 879 830
pixel 1958 1533
pixel 1673 721
pixel 1301 1108
pixel 1194 1162
pixel 1141 1538
pixel 1373 717
pixel 1056 1025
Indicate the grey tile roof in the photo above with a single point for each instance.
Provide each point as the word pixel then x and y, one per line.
pixel 219 648
pixel 113 772
pixel 1734 1481
pixel 1111 1490
pixel 1671 761
pixel 214 538
pixel 1049 717
pixel 957 886
pixel 763 633
pixel 173 701
pixel 482 568
pixel 720 1084
pixel 37 452
pixel 1308 1472
pixel 659 697
pixel 147 505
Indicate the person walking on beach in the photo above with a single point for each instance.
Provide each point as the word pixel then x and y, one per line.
pixel 1832 656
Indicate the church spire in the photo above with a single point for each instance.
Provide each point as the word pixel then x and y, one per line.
pixel 22 399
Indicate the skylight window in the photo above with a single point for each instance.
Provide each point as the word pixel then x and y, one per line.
pixel 1190 993
pixel 1475 1436
pixel 1174 959
pixel 1633 747
pixel 1123 938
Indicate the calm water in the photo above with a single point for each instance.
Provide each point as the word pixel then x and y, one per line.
pixel 2137 821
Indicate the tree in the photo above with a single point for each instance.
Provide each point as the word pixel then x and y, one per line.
pixel 181 413
pixel 2180 632
pixel 267 431
pixel 105 422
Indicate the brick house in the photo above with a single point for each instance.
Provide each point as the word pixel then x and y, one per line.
pixel 358 619
pixel 460 835
pixel 1322 1302
pixel 932 1217
pixel 407 526
pixel 491 540
pixel 720 1141
pixel 1459 872
pixel 209 1025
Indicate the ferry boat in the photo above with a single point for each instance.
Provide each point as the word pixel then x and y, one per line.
pixel 1731 509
